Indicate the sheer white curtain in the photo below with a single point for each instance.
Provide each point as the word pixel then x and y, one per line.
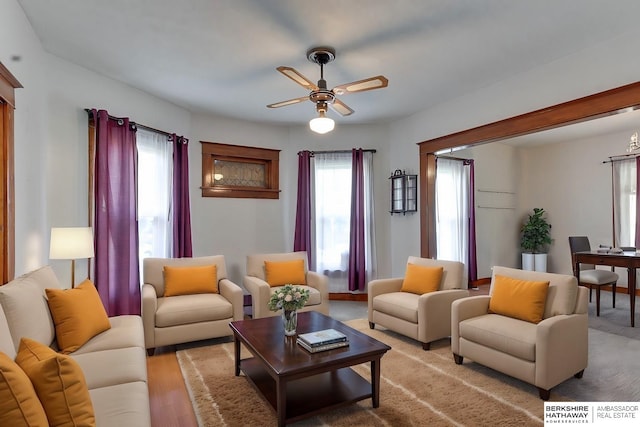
pixel 624 201
pixel 155 166
pixel 370 231
pixel 452 210
pixel 331 207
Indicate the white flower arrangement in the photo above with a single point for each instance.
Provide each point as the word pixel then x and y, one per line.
pixel 289 298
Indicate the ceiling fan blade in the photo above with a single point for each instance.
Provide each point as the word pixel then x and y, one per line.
pixel 294 75
pixel 377 82
pixel 340 107
pixel 288 102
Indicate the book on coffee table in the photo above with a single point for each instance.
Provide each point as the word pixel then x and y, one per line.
pixel 322 347
pixel 322 338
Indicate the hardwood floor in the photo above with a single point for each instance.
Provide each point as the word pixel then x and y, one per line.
pixel 168 395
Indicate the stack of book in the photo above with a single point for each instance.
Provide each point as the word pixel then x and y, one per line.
pixel 326 339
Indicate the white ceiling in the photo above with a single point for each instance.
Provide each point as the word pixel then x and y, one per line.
pixel 220 56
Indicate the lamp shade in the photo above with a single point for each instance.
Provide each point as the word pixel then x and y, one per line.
pixel 321 124
pixel 71 243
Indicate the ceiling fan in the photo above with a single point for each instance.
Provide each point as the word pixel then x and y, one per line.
pixel 320 95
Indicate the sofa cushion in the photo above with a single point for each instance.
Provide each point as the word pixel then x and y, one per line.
pixel 561 295
pixel 19 403
pixel 6 342
pixel 25 306
pixel 59 383
pixel 125 331
pixel 190 280
pixel 501 333
pixel 186 309
pixel 125 365
pixel 279 273
pixel 314 294
pixel 402 305
pixel 78 315
pixel 421 280
pixel 517 298
pixel 122 405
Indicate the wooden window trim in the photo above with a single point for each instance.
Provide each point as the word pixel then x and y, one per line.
pixel 602 104
pixel 8 84
pixel 270 158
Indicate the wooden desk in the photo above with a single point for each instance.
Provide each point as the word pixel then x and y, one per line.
pixel 628 260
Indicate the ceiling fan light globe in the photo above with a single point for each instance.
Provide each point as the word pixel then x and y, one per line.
pixel 322 125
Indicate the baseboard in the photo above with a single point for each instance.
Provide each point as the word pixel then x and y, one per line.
pixel 347 296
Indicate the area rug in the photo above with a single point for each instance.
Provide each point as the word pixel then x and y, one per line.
pixel 418 388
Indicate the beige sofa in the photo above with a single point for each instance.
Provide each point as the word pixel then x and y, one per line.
pixel 185 318
pixel 425 317
pixel 113 362
pixel 255 283
pixel 543 354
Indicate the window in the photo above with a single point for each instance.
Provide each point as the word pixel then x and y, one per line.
pixel 452 210
pixel 331 207
pixel 332 185
pixel 237 171
pixel 154 187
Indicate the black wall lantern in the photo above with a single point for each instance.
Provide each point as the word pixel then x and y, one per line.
pixel 404 192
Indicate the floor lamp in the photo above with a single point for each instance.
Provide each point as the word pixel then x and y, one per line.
pixel 71 243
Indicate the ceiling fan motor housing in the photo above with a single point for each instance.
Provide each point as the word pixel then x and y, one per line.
pixel 321 55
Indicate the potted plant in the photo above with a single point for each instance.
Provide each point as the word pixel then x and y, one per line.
pixel 535 238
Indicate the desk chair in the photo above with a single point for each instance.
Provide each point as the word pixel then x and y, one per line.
pixel 589 275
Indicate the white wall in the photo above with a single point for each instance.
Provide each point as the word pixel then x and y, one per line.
pixel 29 132
pixel 572 184
pixel 568 179
pixel 50 136
pixel 51 158
pixel 238 227
pixel 605 66
pixel 497 190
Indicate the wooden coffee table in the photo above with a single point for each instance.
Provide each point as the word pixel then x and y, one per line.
pixel 299 384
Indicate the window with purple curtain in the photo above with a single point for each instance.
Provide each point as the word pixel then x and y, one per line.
pixel 115 227
pixel 335 216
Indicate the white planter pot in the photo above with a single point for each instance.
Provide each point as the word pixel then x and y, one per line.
pixel 540 262
pixel 527 261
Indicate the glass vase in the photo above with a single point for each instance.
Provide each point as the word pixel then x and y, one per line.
pixel 290 322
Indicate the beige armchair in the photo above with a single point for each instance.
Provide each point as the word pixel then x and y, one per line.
pixel 543 354
pixel 256 284
pixel 184 318
pixel 425 317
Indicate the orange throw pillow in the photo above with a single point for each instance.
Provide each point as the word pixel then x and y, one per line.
pixel 78 315
pixel 19 403
pixel 190 280
pixel 59 383
pixel 517 298
pixel 419 279
pixel 279 273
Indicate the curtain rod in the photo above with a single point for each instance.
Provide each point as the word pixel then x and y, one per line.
pixel 149 128
pixel 371 150
pixel 621 158
pixel 453 158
